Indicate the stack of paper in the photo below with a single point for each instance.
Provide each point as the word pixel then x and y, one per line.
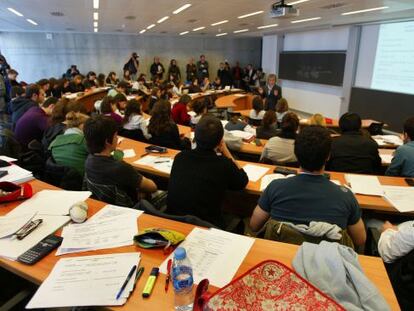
pixel 214 255
pixel 255 172
pixel 386 158
pixel 16 174
pixel 242 134
pixel 363 184
pixel 113 226
pixel 87 281
pixel 163 164
pixel 402 198
pixel 51 202
pixel 383 140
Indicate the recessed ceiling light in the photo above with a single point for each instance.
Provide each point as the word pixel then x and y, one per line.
pixel 95 16
pixel 142 31
pixel 221 34
pixel 163 19
pixel 366 10
pixel 95 30
pixel 96 4
pixel 267 26
pixel 31 21
pixel 151 26
pixel 219 23
pixel 95 24
pixel 15 12
pixel 241 30
pixel 297 2
pixel 199 28
pixel 305 20
pixel 184 7
pixel 184 33
pixel 251 14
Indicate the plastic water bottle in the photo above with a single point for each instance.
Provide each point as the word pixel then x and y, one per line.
pixel 182 278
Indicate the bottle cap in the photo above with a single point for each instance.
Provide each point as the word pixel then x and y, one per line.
pixel 180 253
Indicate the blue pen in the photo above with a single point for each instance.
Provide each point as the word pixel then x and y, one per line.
pixel 126 281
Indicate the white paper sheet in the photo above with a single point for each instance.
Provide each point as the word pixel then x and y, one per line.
pixel 163 164
pixel 267 179
pixel 10 224
pixel 12 248
pixel 388 140
pixel 402 198
pixel 16 174
pixel 386 158
pixel 214 254
pixel 255 172
pixel 129 153
pixel 7 159
pixel 111 211
pixel 87 281
pixel 363 184
pixel 51 202
pixel 242 134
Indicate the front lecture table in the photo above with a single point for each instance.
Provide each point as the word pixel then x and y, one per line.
pixel 159 300
pixel 375 203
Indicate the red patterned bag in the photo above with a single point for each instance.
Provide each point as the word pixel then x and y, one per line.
pixel 268 286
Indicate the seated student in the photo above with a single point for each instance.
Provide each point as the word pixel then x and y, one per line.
pixel 179 111
pixel 317 119
pixel 282 108
pixel 108 108
pixel 200 178
pixel 235 124
pixel 353 152
pixel 194 87
pixel 141 87
pixel 45 85
pixel 268 129
pixel 127 77
pixel 120 102
pixel 33 124
pixel 402 163
pixel 69 149
pixel 33 97
pixel 280 149
pixel 216 85
pixel 199 110
pixel 121 88
pixel 101 168
pixel 61 87
pixel 134 123
pixel 164 132
pixel 310 196
pixel 100 80
pixel 87 86
pixel 112 79
pixel 257 113
pixel 155 96
pixel 75 85
pixel 91 77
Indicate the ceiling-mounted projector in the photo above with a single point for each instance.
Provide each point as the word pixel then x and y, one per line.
pixel 282 10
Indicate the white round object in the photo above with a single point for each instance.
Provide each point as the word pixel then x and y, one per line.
pixel 79 212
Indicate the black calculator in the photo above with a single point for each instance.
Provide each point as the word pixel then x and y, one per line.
pixel 40 250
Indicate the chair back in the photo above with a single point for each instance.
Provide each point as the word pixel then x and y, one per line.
pixel 254 122
pixel 62 176
pixel 110 194
pixel 278 231
pixel 9 146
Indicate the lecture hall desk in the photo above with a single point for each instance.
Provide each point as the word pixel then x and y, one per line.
pixel 159 300
pixel 374 203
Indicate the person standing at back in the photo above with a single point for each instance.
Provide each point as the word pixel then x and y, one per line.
pixel 157 69
pixel 271 92
pixel 353 151
pixel 402 163
pixel 200 178
pixel 132 65
pixel 174 73
pixel 310 196
pixel 202 69
pixel 191 70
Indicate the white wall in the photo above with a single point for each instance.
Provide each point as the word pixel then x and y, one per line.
pixel 35 57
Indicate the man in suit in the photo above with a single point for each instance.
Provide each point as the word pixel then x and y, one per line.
pixel 202 69
pixel 271 92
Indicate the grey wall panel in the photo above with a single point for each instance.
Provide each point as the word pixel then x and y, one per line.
pixel 35 57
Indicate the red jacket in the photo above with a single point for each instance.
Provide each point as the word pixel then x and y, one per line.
pixel 180 115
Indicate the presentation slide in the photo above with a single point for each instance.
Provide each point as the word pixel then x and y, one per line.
pixel 394 60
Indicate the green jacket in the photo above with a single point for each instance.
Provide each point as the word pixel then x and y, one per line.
pixel 70 150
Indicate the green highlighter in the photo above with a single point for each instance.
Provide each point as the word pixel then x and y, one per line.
pixel 150 282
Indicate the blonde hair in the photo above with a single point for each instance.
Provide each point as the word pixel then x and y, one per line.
pixel 317 119
pixel 75 119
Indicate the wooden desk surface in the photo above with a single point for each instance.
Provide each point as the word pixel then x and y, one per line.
pixel 159 300
pixel 366 202
pixel 237 102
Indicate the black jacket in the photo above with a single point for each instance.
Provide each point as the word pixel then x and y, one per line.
pixel 271 98
pixel 154 70
pixel 18 108
pixel 354 152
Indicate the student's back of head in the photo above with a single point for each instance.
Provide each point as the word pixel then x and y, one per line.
pixel 199 107
pixel 160 118
pixel 16 91
pixel 75 119
pixel 409 128
pixel 106 105
pixel 350 122
pixel 99 130
pixel 289 125
pixel 312 148
pixel 32 89
pixel 317 119
pixel 269 119
pixel 257 104
pixel 132 108
pixel 208 132
pixel 282 105
pixel 185 99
